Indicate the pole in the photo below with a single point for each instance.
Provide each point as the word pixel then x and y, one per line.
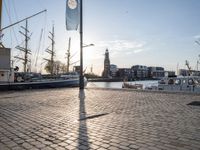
pixel 81 80
pixel 26 47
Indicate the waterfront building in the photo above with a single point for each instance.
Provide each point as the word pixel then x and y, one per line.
pixel 170 74
pixel 125 73
pixel 140 71
pixel 156 72
pixel 113 70
pixel 106 71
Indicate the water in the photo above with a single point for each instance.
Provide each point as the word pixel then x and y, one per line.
pixel 146 83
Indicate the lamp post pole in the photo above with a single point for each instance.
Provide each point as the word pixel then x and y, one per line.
pixel 81 79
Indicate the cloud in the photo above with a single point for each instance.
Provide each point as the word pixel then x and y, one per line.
pixel 125 46
pixel 138 50
pixel 197 36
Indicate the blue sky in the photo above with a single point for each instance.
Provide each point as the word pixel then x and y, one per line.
pixel 147 32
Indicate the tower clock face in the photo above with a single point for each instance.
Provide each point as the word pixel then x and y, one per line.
pixel 72 4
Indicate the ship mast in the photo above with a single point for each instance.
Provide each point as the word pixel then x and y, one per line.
pixel 25 48
pixel 51 51
pixel 1 45
pixel 0 12
pixel 68 54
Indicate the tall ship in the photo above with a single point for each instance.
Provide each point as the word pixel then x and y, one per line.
pixel 11 79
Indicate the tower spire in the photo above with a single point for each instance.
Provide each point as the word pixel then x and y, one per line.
pixel 106 71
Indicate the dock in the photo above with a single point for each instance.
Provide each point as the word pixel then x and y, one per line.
pixel 99 119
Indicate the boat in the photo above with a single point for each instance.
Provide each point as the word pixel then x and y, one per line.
pixel 41 84
pixel 178 84
pixel 132 86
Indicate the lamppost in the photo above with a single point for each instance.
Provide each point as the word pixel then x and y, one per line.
pixel 81 79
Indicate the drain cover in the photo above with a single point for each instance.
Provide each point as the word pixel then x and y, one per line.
pixel 195 103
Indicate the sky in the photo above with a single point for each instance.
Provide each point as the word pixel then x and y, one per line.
pixel 136 32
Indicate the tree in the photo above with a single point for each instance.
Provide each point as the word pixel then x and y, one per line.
pixel 47 67
pixel 58 67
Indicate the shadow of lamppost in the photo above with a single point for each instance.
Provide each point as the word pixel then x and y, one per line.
pixel 83 139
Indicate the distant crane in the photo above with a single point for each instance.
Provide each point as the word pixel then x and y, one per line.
pixel 188 66
pixel 198 61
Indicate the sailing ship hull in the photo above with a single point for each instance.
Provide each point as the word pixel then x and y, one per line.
pixel 41 84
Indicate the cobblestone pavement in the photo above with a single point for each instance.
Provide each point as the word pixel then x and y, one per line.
pixel 98 119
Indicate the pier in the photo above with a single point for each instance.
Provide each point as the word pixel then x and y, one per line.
pixel 99 119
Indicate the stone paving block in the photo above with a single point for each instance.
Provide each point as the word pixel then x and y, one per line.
pixel 3 147
pixel 105 145
pixel 17 148
pixel 93 146
pixel 27 145
pixel 113 148
pixel 11 144
pixel 134 146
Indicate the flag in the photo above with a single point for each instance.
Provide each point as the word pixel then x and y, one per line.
pixel 72 14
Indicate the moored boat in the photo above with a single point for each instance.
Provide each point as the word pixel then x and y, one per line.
pixel 41 84
pixel 179 84
pixel 132 86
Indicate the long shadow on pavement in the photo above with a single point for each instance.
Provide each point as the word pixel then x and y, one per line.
pixel 83 139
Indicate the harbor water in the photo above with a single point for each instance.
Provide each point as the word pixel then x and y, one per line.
pixel 118 85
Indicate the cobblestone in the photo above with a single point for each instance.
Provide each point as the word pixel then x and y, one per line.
pixel 57 119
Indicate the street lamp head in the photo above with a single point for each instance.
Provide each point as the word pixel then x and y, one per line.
pixel 88 45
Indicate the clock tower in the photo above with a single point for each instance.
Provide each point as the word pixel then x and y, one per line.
pixel 106 71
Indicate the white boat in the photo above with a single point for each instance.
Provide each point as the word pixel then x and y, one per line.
pixel 179 84
pixel 132 86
